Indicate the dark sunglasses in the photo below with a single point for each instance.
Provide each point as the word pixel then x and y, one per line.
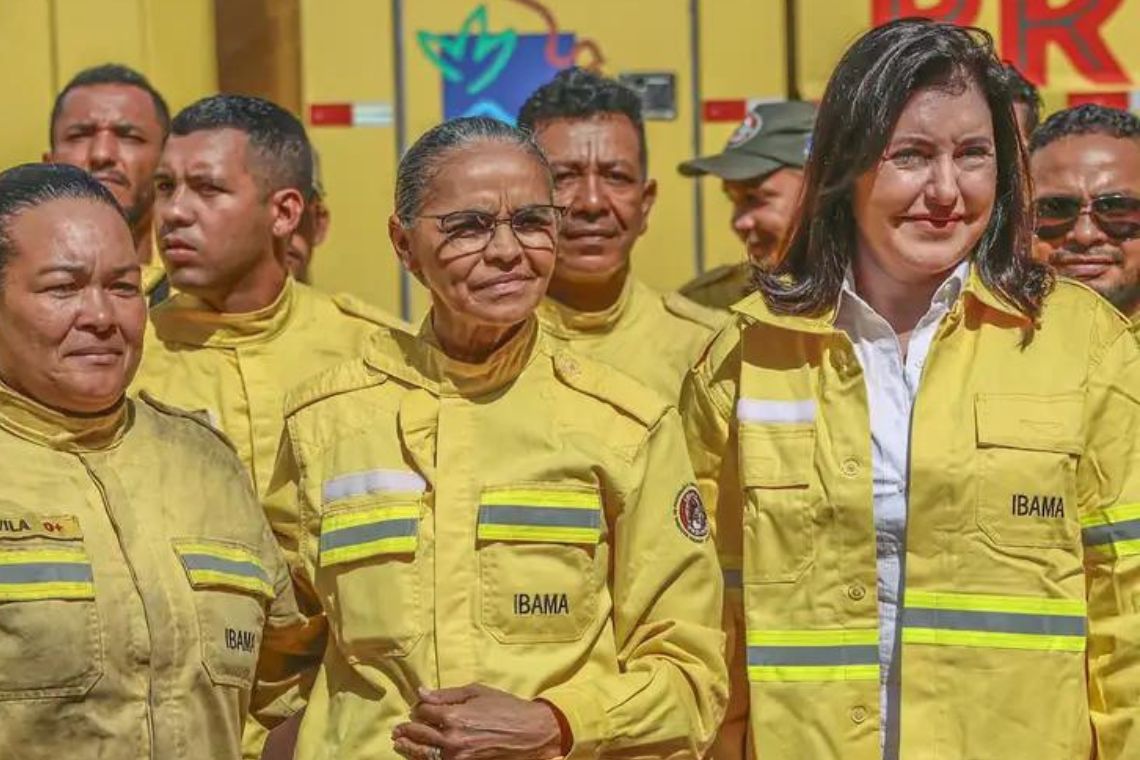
pixel 1118 216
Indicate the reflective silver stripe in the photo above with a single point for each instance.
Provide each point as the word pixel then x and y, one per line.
pixel 371 481
pixel 763 410
pixel 222 565
pixel 783 656
pixel 46 572
pixel 547 517
pixel 1099 535
pixel 362 534
pixel 734 579
pixel 996 622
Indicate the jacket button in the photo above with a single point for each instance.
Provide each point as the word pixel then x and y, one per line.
pixel 858 714
pixel 850 467
pixel 856 591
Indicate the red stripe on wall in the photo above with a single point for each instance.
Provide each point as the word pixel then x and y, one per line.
pixel 330 114
pixel 724 110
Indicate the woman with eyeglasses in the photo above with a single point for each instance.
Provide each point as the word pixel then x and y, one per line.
pixel 504 539
pixel 920 447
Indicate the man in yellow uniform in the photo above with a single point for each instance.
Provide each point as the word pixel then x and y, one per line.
pixel 1087 158
pixel 239 332
pixel 761 172
pixel 111 122
pixel 590 128
pixel 527 524
pixel 138 574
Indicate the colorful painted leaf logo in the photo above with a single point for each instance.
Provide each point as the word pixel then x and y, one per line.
pixel 474 42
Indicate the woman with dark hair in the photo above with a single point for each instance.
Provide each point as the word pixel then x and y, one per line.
pixel 918 447
pixel 503 538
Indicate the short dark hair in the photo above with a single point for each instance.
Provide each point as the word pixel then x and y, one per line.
pixel 27 186
pixel 576 93
pixel 275 136
pixel 111 73
pixel 419 165
pixel 1086 119
pixel 1024 93
pixel 864 98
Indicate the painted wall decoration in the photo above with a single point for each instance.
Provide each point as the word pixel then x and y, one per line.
pixel 490 72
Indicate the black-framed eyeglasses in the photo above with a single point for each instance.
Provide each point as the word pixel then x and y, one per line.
pixel 467 231
pixel 1117 215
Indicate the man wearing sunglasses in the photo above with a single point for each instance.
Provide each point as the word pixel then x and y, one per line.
pixel 1085 163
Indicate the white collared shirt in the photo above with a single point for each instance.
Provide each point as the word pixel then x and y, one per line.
pixel 892 383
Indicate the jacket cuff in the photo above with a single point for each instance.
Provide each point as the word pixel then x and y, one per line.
pixel 586 718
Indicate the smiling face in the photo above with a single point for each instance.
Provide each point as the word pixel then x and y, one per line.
pixel 113 132
pixel 1084 167
pixel 598 177
pixel 71 310
pixel 762 209
pixel 502 284
pixel 924 207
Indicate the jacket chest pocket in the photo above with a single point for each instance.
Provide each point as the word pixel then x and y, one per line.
pixel 50 639
pixel 230 589
pixel 1026 462
pixel 776 464
pixel 537 549
pixel 370 576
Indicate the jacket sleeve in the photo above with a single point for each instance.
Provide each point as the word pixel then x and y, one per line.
pixel 707 411
pixel 1109 494
pixel 290 654
pixel 670 692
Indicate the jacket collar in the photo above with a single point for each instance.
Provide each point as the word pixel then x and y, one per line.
pixel 23 417
pixel 755 308
pixel 185 319
pixel 562 321
pixel 419 360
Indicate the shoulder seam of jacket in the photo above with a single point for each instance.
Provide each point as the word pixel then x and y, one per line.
pixel 691 311
pixel 611 386
pixel 195 417
pixel 331 382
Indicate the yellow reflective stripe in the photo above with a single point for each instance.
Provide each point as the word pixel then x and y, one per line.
pixel 75 554
pixel 793 673
pixel 28 592
pixel 1119 513
pixel 813 638
pixel 220 564
pixel 1128 548
pixel 230 580
pixel 351 519
pixel 551 534
pixel 393 545
pixel 993 640
pixel 939 600
pixel 539 497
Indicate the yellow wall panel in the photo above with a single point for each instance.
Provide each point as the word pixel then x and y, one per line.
pixel 179 49
pixel 27 65
pixel 89 33
pixel 348 58
pixel 743 55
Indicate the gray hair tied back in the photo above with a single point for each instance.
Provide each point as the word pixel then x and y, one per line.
pixel 419 165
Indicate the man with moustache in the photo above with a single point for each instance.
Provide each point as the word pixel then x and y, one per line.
pixel 111 122
pixel 240 332
pixel 761 173
pixel 591 130
pixel 1086 176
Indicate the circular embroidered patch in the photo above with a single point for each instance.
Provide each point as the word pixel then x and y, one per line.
pixel 689 513
pixel 748 128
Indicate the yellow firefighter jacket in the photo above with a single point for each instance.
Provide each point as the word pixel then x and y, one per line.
pixel 651 337
pixel 236 368
pixel 137 572
pixel 721 287
pixel 1020 621
pixel 529 523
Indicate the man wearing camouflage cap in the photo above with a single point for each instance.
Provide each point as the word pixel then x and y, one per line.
pixel 761 172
